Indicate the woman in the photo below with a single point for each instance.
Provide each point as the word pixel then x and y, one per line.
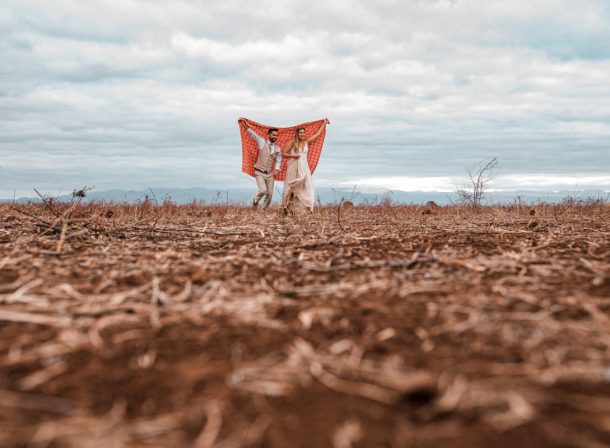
pixel 298 187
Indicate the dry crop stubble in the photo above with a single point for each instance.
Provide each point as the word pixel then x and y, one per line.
pixel 355 326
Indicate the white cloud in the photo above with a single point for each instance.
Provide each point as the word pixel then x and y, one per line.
pixel 510 183
pixel 552 182
pixel 415 89
pixel 433 183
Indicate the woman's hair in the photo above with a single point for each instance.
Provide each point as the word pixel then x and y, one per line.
pixel 296 140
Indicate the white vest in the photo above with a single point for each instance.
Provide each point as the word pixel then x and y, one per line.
pixel 266 161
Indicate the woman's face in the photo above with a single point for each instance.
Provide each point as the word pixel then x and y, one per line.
pixel 301 134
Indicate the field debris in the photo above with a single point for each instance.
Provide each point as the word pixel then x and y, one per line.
pixel 212 326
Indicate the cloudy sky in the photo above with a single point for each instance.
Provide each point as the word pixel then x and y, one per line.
pixel 132 94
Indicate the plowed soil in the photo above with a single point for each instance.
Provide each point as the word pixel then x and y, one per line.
pixel 377 326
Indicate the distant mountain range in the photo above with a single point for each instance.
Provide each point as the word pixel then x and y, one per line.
pixel 325 195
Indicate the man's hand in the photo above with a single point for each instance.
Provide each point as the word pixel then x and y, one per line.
pixel 327 121
pixel 276 173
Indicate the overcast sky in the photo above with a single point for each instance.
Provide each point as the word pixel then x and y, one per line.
pixel 133 94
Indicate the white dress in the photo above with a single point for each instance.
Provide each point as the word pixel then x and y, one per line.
pixel 298 186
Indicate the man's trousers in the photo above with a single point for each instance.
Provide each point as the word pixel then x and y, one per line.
pixel 264 183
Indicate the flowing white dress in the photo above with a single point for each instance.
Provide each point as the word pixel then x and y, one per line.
pixel 298 186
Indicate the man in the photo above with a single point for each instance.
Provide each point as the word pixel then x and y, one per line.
pixel 267 164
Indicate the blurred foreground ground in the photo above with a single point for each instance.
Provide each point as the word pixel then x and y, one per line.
pixel 364 326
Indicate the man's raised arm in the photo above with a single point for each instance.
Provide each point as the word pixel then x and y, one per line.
pixel 259 141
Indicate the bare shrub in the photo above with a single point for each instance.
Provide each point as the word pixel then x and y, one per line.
pixel 479 176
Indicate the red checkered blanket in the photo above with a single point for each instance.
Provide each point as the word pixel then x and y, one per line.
pixel 249 148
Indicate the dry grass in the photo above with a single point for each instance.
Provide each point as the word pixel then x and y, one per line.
pixel 168 325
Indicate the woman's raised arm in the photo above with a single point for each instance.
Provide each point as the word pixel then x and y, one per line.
pixel 319 131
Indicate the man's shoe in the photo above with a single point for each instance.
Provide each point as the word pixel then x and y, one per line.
pixel 254 204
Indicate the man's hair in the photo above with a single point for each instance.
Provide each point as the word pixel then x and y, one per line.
pixel 272 129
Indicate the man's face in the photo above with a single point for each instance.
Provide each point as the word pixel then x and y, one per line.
pixel 273 136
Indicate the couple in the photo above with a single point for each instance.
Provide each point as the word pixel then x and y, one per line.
pixel 298 186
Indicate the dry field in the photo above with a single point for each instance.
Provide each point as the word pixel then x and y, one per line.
pixel 378 326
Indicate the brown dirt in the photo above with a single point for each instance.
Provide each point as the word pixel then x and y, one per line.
pixel 355 326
